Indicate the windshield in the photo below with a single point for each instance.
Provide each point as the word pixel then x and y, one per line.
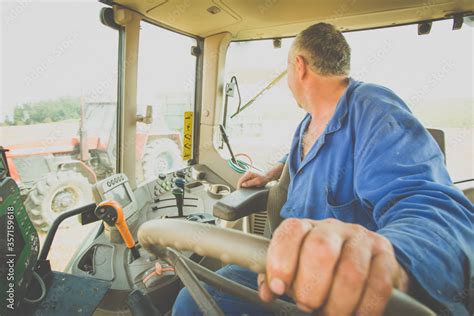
pixel 166 76
pixel 432 73
pixel 58 86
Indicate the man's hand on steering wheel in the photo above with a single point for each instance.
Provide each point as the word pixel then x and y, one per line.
pixel 339 267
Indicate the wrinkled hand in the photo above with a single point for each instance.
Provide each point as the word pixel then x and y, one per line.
pixel 339 268
pixel 252 179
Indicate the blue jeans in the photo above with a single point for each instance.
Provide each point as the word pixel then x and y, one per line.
pixel 230 305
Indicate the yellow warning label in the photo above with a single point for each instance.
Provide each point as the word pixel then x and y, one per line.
pixel 188 136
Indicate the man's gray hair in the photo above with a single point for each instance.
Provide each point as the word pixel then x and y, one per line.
pixel 325 49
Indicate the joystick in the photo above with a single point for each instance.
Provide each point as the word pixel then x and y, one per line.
pixel 112 214
pixel 179 196
pixel 179 182
pixel 180 174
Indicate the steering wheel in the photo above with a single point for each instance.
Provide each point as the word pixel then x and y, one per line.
pixel 236 247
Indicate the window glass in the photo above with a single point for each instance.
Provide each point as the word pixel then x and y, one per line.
pixel 166 76
pixel 264 129
pixel 431 73
pixel 58 96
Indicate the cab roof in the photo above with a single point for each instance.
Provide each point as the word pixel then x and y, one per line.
pixel 256 19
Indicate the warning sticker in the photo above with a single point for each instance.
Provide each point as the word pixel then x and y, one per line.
pixel 188 136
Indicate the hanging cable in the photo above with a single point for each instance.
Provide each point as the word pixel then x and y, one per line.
pixel 237 165
pixel 241 166
pixel 43 290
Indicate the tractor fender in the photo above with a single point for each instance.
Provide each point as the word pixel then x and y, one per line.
pixel 80 167
pixel 143 140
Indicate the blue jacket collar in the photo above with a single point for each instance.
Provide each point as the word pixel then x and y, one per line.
pixel 341 109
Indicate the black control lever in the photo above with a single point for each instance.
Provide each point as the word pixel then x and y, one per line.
pixel 180 174
pixel 54 228
pixel 226 141
pixel 180 183
pixel 179 196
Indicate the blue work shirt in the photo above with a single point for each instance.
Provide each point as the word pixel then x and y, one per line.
pixel 377 166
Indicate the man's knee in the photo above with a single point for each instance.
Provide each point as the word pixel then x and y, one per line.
pixel 185 305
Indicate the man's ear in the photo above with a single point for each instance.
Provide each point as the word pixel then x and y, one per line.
pixel 301 67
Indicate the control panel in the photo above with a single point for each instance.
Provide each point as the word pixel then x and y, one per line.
pixel 118 189
pixel 166 182
pixel 114 255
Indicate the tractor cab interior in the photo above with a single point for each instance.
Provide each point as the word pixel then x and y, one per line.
pixel 164 202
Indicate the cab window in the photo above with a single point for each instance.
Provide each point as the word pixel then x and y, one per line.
pixel 432 73
pixel 58 103
pixel 166 76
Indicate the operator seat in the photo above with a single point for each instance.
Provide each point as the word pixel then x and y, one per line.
pixel 276 198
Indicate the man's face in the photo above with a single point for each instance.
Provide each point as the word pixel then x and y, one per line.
pixel 290 67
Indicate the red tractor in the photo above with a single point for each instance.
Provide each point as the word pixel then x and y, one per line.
pixel 55 173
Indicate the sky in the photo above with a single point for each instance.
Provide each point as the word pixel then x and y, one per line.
pixel 51 49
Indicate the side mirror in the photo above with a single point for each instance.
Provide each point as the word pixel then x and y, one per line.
pixel 148 118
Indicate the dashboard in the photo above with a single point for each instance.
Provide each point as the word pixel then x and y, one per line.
pixel 106 257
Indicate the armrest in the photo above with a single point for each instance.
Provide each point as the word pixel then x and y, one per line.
pixel 241 203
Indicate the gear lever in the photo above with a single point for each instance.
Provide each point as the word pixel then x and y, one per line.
pixel 180 174
pixel 179 183
pixel 179 196
pixel 112 214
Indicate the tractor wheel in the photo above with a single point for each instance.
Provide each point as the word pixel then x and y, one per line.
pixel 57 192
pixel 160 156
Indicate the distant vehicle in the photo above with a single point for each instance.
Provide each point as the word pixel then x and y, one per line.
pixel 56 175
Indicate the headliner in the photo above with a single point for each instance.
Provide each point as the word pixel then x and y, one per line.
pixel 255 19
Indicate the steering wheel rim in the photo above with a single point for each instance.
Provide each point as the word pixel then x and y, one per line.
pixel 235 247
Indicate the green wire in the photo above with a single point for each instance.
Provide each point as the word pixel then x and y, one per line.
pixel 240 167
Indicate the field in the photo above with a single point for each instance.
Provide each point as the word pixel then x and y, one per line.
pixel 44 133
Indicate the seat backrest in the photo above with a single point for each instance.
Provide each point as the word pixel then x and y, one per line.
pixel 276 198
pixel 438 136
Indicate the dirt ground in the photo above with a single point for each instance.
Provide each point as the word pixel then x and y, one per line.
pixel 44 133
